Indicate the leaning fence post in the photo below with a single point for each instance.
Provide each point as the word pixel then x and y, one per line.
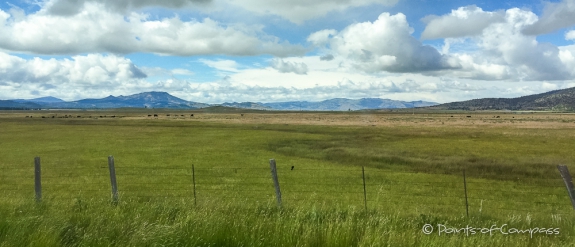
pixel 568 182
pixel 113 179
pixel 465 188
pixel 37 179
pixel 276 182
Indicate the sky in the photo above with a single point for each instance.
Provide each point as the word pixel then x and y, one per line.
pixel 216 51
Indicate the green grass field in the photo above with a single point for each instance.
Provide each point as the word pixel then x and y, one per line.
pixel 413 177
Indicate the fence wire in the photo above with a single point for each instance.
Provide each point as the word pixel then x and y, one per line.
pixel 374 188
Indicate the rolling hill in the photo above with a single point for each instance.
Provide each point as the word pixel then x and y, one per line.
pixel 558 100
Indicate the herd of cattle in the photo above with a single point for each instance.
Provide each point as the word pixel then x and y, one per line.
pixel 156 115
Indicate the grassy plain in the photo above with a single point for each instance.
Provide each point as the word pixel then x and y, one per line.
pixel 413 171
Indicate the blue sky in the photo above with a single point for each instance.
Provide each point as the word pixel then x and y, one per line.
pixel 217 51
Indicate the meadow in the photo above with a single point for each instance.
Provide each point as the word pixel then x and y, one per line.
pixel 413 166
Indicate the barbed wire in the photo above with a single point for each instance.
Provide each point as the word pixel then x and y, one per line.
pixel 246 183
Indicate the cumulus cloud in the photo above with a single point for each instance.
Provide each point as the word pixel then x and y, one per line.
pixel 321 38
pixel 555 16
pixel 92 73
pixel 525 58
pixel 289 67
pixel 298 11
pixel 501 51
pixel 96 76
pixel 71 7
pixel 570 35
pixel 464 21
pixel 47 34
pixel 327 57
pixel 386 45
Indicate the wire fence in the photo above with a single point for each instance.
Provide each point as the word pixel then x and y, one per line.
pixel 372 188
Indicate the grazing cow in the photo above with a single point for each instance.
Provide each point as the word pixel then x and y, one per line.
pixel 43 117
pixel 155 115
pixel 292 168
pixel 182 115
pixel 451 116
pixel 192 115
pixel 468 116
pixel 52 116
pixel 168 115
pixel 78 116
pixel 149 115
pixel 242 114
pixel 497 117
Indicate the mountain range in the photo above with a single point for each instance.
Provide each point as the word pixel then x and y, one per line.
pixel 165 100
pixel 557 100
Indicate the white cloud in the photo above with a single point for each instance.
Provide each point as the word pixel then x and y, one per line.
pixel 289 67
pixel 298 11
pixel 47 34
pixel 71 7
pixel 182 72
pixel 90 73
pixel 570 35
pixel 321 38
pixel 224 65
pixel 555 16
pixel 502 52
pixel 549 86
pixel 327 57
pixel 97 76
pixel 464 21
pixel 505 44
pixel 385 45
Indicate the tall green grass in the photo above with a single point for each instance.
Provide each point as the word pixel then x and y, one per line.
pixel 413 177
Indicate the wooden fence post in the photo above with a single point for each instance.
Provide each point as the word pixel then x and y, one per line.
pixel 568 182
pixel 364 191
pixel 37 179
pixel 276 182
pixel 194 181
pixel 113 179
pixel 465 188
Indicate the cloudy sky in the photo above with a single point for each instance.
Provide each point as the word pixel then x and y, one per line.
pixel 217 51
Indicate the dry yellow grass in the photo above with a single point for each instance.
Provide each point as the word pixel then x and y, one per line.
pixel 539 120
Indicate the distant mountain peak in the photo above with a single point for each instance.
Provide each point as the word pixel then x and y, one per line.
pixel 48 99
